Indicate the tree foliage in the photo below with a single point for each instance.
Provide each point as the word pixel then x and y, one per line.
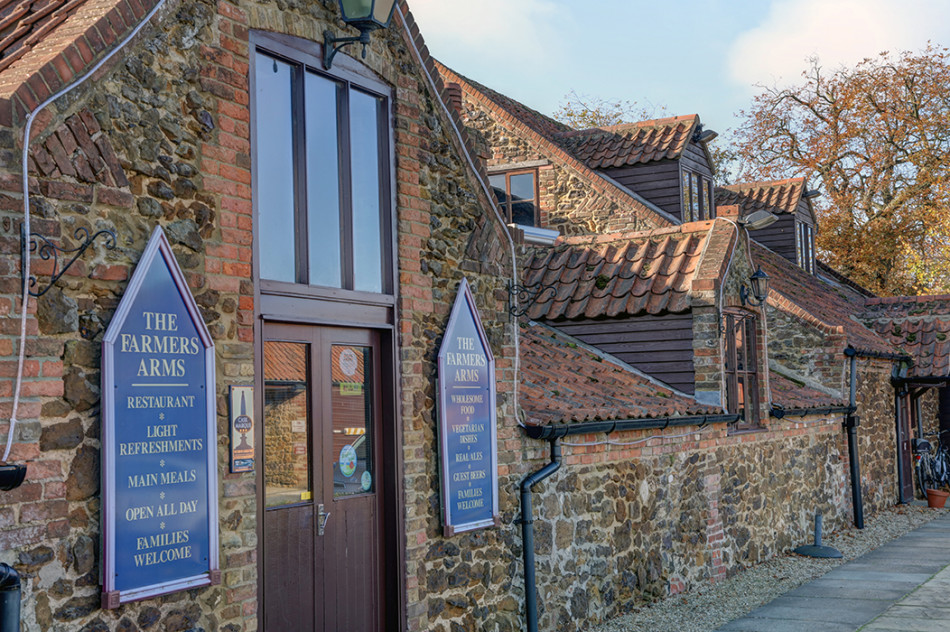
pixel 876 139
pixel 583 111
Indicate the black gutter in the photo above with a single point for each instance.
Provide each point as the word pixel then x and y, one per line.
pixel 930 380
pixel 851 423
pixel 552 431
pixel 897 357
pixel 527 533
pixel 778 412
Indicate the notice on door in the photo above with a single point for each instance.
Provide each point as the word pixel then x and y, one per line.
pixel 159 439
pixel 467 421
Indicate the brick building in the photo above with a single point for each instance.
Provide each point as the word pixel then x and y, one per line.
pixel 323 220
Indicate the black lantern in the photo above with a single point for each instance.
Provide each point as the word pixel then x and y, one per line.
pixel 760 288
pixel 365 15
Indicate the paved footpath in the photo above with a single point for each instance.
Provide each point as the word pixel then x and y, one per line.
pixel 902 586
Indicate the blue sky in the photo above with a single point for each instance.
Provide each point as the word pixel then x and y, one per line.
pixel 691 56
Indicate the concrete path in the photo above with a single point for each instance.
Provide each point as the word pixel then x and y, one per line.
pixel 901 586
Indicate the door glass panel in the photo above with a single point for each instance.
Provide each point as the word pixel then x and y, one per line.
pixel 352 409
pixel 287 462
pixel 274 157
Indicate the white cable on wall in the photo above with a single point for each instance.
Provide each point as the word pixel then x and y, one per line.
pixel 608 441
pixel 491 201
pixel 26 213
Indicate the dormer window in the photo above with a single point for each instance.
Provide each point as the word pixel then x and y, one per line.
pixel 517 193
pixel 697 197
pixel 805 249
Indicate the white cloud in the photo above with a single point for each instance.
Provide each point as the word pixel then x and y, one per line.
pixel 502 29
pixel 837 31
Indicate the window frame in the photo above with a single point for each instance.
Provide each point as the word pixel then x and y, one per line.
pixel 750 404
pixel 805 246
pixel 696 192
pixel 506 205
pixel 306 56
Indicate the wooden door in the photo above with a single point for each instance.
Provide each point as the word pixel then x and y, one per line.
pixel 322 486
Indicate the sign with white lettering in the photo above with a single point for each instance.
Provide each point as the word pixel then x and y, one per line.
pixel 467 421
pixel 159 505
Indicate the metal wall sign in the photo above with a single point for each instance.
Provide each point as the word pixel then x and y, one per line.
pixel 159 465
pixel 241 400
pixel 467 421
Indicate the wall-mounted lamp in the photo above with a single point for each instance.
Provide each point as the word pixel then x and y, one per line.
pixel 760 289
pixel 758 219
pixel 811 193
pixel 704 136
pixel 365 15
pixel 11 476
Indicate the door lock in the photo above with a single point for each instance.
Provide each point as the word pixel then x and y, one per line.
pixel 322 517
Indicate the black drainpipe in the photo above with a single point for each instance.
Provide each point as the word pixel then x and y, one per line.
pixel 527 533
pixel 851 423
pixel 900 447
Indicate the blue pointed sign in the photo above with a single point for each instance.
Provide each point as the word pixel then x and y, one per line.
pixel 159 511
pixel 467 421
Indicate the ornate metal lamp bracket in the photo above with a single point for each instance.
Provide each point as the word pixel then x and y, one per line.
pixel 47 250
pixel 526 297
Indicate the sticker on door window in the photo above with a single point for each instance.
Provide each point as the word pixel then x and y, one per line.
pixel 348 362
pixel 366 481
pixel 347 461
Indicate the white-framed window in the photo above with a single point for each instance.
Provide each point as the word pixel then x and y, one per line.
pixel 697 194
pixel 805 247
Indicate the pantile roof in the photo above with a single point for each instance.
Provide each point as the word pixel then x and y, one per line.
pixel 46 44
pixel 920 325
pixel 791 394
pixel 617 274
pixel 779 196
pixel 829 307
pixel 563 380
pixel 630 143
pixel 24 23
pixel 540 123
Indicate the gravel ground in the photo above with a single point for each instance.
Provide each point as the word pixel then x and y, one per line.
pixel 707 607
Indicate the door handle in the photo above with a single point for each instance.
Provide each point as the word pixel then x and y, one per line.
pixel 322 517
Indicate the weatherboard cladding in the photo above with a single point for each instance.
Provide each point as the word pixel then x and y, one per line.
pixel 562 381
pixel 623 274
pixel 780 237
pixel 920 326
pixel 660 346
pixel 658 182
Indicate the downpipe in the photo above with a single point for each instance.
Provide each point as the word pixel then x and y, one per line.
pixel 527 534
pixel 851 423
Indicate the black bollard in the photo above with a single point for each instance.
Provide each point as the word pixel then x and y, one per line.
pixel 9 599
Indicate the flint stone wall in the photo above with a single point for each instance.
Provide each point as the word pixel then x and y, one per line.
pixel 162 137
pixel 617 527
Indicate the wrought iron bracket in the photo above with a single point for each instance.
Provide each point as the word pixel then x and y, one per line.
pixel 332 45
pixel 36 243
pixel 526 297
